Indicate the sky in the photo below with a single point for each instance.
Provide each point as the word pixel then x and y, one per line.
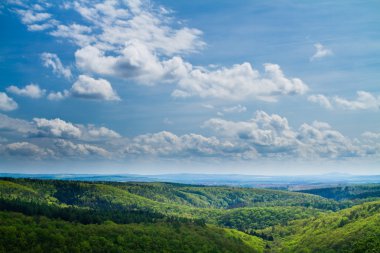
pixel 150 87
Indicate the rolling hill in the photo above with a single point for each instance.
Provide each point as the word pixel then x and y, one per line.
pixel 136 217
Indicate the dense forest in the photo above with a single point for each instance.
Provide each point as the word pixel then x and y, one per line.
pixel 71 216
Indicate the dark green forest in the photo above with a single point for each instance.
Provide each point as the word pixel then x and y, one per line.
pixel 71 216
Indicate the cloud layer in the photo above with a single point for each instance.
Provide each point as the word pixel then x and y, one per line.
pixel 31 90
pixel 363 101
pixel 138 41
pixel 263 136
pixel 7 103
pixel 88 87
pixel 52 61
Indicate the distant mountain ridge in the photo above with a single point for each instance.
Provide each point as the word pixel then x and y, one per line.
pixel 301 182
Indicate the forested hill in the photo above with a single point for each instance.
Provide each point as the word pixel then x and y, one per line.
pixel 53 211
pixel 347 192
pixel 355 229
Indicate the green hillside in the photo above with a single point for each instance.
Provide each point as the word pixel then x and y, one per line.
pixel 241 208
pixel 348 192
pixel 146 217
pixel 355 229
pixel 19 233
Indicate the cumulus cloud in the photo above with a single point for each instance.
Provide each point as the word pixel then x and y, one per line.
pixel 235 109
pixel 28 150
pixel 54 139
pixel 7 103
pixel 320 52
pixel 263 136
pixel 29 16
pixel 36 19
pixel 59 95
pixel 239 82
pixel 271 136
pixel 167 144
pixel 88 87
pixel 140 41
pixel 363 101
pixel 101 132
pixel 320 99
pixel 31 90
pixel 52 61
pixel 68 148
pixel 266 133
pixel 135 62
pixel 63 129
pixel 76 33
pixel 320 140
pixel 118 22
pixel 54 128
pixel 18 126
pixel 371 135
pixel 57 128
pixel 370 142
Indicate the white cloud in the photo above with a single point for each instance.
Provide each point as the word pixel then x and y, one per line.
pixel 52 61
pixel 54 139
pixel 139 41
pixel 101 132
pixel 321 52
pixel 371 135
pixel 18 126
pixel 35 20
pixel 321 100
pixel 63 129
pixel 76 33
pixel 370 143
pixel 56 96
pixel 320 140
pixel 88 87
pixel 42 27
pixel 271 136
pixel 266 133
pixel 117 24
pixel 135 61
pixel 31 90
pixel 99 64
pixel 66 148
pixel 54 128
pixel 363 101
pixel 239 82
pixel 235 109
pixel 30 17
pixel 26 149
pixel 7 103
pixel 167 144
pixel 208 106
pixel 263 136
pixel 57 128
pixel 236 83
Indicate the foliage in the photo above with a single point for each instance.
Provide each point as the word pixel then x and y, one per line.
pixel 348 192
pixel 356 229
pixel 19 233
pixel 74 216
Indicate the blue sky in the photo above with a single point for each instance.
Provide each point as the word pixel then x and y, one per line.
pixel 133 86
